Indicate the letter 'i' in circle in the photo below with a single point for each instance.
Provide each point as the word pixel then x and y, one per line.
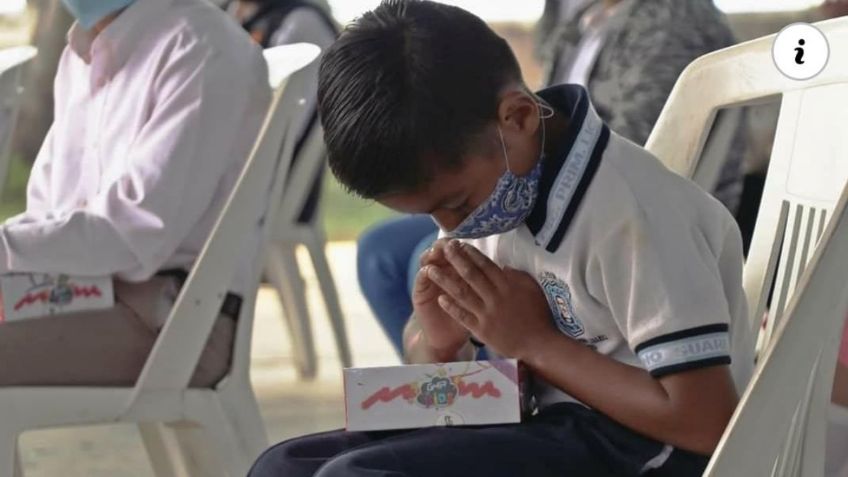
pixel 799 52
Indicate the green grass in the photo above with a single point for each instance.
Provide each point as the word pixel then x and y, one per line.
pixel 14 194
pixel 345 216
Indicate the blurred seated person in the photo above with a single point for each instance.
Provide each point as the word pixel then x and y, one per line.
pixel 837 461
pixel 836 464
pixel 281 22
pixel 157 106
pixel 628 54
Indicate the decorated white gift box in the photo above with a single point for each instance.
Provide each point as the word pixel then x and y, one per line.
pixel 30 295
pixel 426 395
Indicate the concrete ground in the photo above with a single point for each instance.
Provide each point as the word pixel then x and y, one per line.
pixel 290 407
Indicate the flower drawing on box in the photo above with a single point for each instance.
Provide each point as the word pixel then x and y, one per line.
pixel 61 293
pixel 438 392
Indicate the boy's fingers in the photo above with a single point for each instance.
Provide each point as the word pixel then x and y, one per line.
pixel 421 280
pixel 435 255
pixel 423 285
pixel 456 287
pixel 473 274
pixel 430 257
pixel 457 312
pixel 493 271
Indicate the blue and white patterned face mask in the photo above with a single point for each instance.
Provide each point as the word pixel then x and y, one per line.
pixel 511 201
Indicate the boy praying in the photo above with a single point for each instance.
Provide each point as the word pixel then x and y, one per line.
pixel 567 247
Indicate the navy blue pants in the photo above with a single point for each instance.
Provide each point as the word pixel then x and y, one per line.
pixel 565 440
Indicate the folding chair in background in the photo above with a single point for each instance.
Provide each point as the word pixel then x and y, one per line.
pixel 282 267
pixel 12 63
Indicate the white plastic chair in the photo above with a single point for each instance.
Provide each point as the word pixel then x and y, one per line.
pixel 12 62
pixel 282 267
pixel 779 427
pixel 806 176
pixel 172 417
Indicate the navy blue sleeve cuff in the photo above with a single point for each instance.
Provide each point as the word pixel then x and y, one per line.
pixel 686 350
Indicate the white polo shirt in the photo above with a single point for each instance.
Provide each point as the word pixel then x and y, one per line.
pixel 154 120
pixel 636 262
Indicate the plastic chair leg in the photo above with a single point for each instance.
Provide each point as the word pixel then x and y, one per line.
pixel 162 449
pixel 10 461
pixel 283 272
pixel 241 408
pixel 331 298
pixel 217 443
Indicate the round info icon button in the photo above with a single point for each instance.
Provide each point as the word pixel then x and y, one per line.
pixel 800 51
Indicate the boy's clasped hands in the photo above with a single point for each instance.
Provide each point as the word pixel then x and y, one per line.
pixel 460 291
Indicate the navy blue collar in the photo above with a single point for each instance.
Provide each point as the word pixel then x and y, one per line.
pixel 567 174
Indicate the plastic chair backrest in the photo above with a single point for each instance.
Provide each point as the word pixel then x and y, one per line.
pixel 779 427
pixel 251 205
pixel 808 167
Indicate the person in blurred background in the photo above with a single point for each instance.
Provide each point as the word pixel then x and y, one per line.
pixel 387 261
pixel 837 433
pixel 835 8
pixel 281 22
pixel 157 105
pixel 628 54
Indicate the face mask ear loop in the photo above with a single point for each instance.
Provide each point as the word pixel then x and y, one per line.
pixel 503 145
pixel 547 110
pixel 548 113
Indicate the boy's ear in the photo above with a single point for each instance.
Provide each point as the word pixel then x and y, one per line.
pixel 518 113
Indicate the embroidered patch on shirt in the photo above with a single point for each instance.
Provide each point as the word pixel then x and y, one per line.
pixel 562 308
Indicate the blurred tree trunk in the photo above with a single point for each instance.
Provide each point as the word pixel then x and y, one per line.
pixel 36 114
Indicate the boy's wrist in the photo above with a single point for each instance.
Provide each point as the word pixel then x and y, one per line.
pixel 535 353
pixel 445 353
pixel 420 349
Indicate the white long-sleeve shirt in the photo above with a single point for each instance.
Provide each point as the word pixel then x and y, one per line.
pixel 154 118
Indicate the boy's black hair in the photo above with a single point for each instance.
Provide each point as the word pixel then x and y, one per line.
pixel 406 90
